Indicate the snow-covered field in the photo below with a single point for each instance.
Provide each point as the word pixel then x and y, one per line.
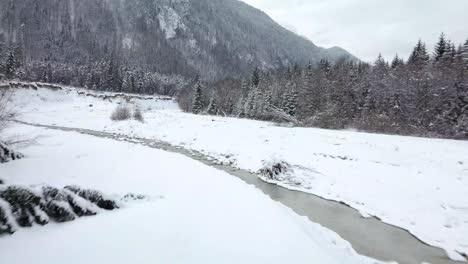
pixel 415 183
pixel 196 214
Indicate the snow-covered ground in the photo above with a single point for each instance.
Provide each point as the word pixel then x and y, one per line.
pixel 415 183
pixel 197 214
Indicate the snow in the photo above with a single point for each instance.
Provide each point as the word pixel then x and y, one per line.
pixel 204 215
pixel 415 183
pixel 170 22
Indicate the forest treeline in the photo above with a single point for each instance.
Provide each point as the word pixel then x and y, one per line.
pixel 426 95
pixel 110 74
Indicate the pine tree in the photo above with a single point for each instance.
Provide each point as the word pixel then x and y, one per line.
pixel 3 57
pixel 256 77
pixel 10 66
pixel 290 106
pixel 198 105
pixel 465 52
pixel 441 48
pixel 113 79
pixel 240 107
pixel 213 108
pixel 254 103
pixel 450 54
pixel 380 65
pixel 419 57
pixel 397 62
pixel 325 65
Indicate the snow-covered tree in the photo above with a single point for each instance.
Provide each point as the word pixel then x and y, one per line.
pixel 213 108
pixel 198 100
pixel 256 77
pixel 441 48
pixel 465 52
pixel 397 62
pixel 11 64
pixel 419 57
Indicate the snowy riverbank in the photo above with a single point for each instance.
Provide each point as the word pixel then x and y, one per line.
pixel 415 183
pixel 202 215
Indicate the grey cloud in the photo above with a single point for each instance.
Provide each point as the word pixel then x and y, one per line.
pixel 369 27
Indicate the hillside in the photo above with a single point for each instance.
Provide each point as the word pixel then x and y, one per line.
pixel 213 38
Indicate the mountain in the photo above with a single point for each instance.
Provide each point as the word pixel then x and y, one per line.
pixel 213 38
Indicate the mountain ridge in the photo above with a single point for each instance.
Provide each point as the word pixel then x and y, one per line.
pixel 212 38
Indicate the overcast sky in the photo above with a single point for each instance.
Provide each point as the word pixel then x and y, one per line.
pixel 369 27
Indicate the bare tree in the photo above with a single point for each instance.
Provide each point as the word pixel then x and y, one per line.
pixel 7 112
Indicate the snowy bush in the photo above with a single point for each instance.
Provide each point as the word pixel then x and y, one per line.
pixel 138 115
pixel 275 171
pixel 25 206
pixel 122 112
pixel 7 154
pixel 94 196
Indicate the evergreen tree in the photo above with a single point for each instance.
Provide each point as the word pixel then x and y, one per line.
pixel 10 66
pixel 198 105
pixel 465 52
pixel 449 55
pixel 441 48
pixel 3 57
pixel 240 107
pixel 256 77
pixel 397 62
pixel 113 78
pixel 380 65
pixel 325 66
pixel 290 105
pixel 213 108
pixel 419 57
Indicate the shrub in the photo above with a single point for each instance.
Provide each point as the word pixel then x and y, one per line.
pixel 6 110
pixel 122 112
pixel 138 115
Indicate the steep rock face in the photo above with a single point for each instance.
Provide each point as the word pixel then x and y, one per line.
pixel 213 38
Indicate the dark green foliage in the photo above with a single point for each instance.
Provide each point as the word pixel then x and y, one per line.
pixel 255 77
pixel 276 170
pixel 198 100
pixel 6 153
pixel 25 206
pixel 58 206
pixel 94 196
pixel 290 104
pixel 419 57
pixel 6 222
pixel 427 97
pixel 213 108
pixel 80 33
pixel 441 48
pixel 11 65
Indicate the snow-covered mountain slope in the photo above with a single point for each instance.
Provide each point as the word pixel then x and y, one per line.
pixel 215 38
pixel 416 183
pixel 203 215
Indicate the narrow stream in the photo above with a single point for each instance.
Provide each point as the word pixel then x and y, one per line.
pixel 368 236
